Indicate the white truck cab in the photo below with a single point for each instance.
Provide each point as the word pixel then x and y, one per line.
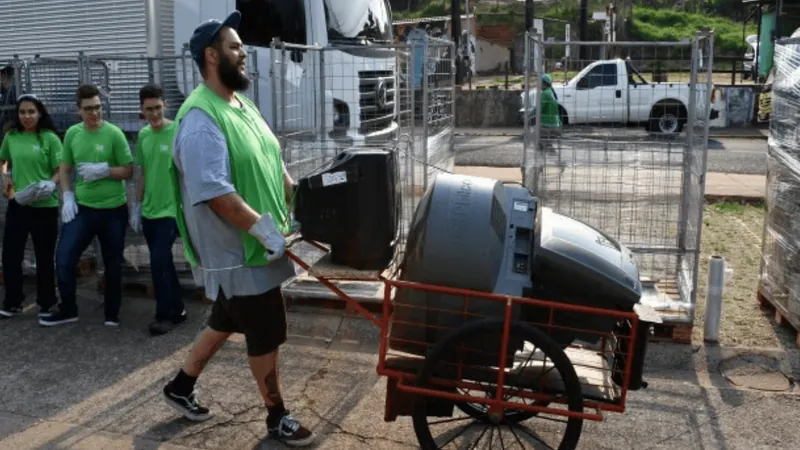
pixel 358 76
pixel 613 91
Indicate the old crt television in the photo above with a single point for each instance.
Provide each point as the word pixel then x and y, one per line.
pixel 353 205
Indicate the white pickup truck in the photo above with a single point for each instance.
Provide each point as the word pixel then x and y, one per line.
pixel 613 91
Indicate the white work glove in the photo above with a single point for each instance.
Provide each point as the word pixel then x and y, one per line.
pixel 27 195
pixel 45 189
pixel 94 171
pixel 135 220
pixel 69 209
pixel 267 233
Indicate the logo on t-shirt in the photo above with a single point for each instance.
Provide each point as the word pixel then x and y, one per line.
pixel 99 147
pixel 164 147
pixel 37 147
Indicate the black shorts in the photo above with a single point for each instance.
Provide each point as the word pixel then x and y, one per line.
pixel 261 318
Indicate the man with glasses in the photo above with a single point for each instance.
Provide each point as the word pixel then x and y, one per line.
pixel 95 207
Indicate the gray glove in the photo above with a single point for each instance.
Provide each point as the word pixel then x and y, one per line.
pixel 45 189
pixel 94 171
pixel 267 233
pixel 27 195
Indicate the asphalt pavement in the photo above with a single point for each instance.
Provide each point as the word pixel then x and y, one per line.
pixel 85 386
pixel 725 155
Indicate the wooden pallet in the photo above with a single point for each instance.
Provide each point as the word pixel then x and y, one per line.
pixel 143 284
pixel 677 325
pixel 85 268
pixel 678 333
pixel 782 316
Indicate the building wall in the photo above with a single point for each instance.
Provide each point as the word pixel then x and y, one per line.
pixel 61 28
pixel 491 57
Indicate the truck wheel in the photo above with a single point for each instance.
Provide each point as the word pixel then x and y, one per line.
pixel 667 119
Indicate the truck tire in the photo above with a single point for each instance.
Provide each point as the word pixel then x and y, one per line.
pixel 667 119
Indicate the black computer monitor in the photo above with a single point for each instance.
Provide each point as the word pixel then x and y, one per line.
pixel 353 205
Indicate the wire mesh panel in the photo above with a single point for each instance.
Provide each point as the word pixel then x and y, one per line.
pixel 398 97
pixel 618 139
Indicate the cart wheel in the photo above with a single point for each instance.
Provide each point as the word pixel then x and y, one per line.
pixel 474 428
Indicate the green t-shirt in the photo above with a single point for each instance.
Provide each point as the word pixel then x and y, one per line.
pixel 154 154
pixel 106 144
pixel 34 158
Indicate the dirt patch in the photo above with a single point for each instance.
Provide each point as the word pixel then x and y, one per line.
pixel 755 372
pixel 734 231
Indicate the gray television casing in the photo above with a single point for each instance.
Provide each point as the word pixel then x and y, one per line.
pixel 477 233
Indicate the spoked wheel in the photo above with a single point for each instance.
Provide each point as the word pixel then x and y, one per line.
pixel 471 425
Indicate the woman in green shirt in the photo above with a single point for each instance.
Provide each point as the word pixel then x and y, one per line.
pixel 33 150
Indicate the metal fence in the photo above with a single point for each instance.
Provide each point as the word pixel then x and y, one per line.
pixel 630 155
pixel 318 101
pixel 329 99
pixel 398 97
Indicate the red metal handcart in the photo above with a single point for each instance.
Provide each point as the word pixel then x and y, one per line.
pixel 482 382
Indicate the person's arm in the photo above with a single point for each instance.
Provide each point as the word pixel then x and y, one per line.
pixel 123 157
pixel 140 185
pixel 139 159
pixel 67 161
pixel 233 209
pixel 56 151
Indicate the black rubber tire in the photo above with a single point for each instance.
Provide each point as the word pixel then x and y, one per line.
pixel 514 417
pixel 518 329
pixel 660 111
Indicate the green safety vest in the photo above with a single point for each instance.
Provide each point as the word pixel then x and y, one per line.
pixel 256 166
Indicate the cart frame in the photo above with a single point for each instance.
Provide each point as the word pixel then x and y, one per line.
pixel 415 383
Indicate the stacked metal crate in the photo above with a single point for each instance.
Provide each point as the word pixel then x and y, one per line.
pixel 780 266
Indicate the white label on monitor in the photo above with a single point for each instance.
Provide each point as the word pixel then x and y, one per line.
pixel 520 206
pixel 333 178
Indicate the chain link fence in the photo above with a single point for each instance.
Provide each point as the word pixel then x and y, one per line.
pixel 620 143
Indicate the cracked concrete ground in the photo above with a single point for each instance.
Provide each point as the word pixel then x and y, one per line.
pixel 84 386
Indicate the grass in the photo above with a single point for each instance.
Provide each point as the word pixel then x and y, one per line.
pixel 733 231
pixel 650 24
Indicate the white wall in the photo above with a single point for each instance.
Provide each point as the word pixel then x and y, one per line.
pixel 490 57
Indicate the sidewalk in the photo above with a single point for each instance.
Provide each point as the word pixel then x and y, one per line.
pixel 716 133
pixel 719 186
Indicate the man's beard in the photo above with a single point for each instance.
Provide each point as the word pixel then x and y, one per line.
pixel 231 77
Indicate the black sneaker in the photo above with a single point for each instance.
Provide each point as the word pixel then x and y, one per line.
pixel 182 317
pixel 161 327
pixel 7 313
pixel 58 318
pixel 188 406
pixel 290 432
pixel 46 312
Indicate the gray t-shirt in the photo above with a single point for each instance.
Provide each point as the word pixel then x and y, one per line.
pixel 201 157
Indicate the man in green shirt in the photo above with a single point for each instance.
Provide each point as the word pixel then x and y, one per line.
pixel 551 117
pixel 95 207
pixel 230 186
pixel 153 211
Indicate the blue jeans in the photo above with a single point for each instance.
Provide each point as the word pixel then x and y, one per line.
pixel 160 235
pixel 109 226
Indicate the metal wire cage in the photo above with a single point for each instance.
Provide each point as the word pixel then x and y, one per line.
pixel 644 187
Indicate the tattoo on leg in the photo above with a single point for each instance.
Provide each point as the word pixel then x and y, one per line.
pixel 271 383
pixel 201 363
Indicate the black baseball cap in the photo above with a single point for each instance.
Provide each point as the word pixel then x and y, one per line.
pixel 206 32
